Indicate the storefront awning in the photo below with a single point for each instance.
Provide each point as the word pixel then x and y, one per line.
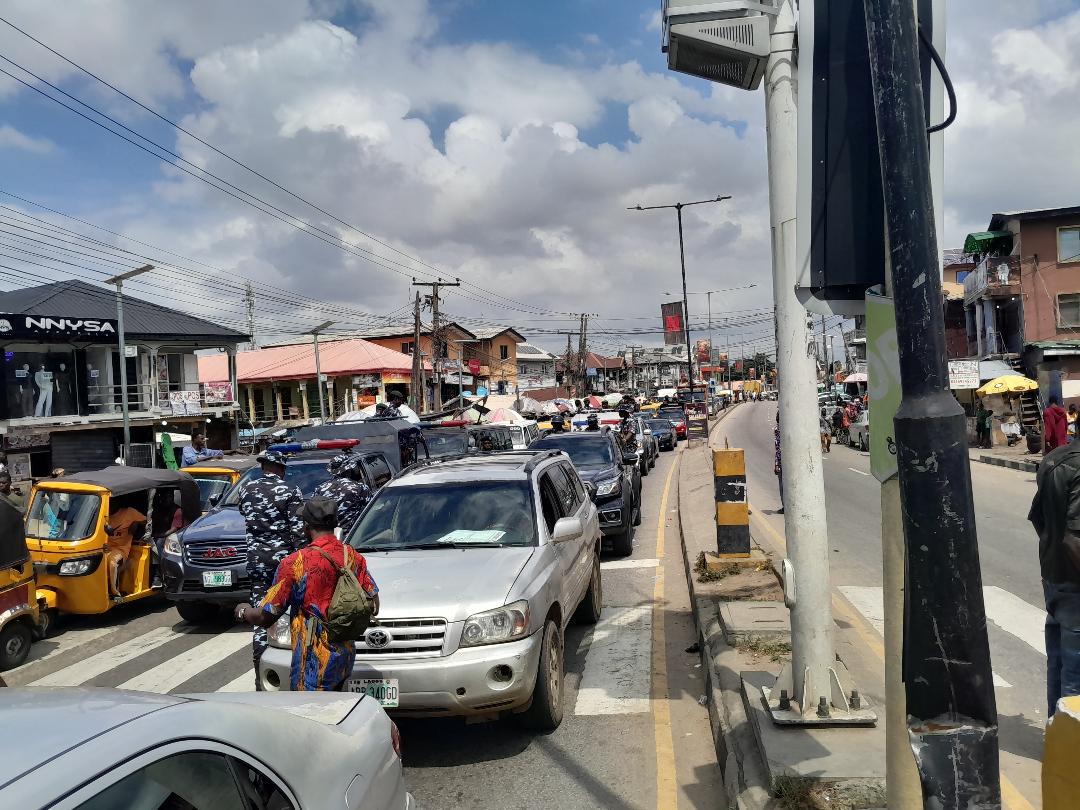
pixel 988 242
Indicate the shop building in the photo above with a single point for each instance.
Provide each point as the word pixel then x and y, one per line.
pixel 61 405
pixel 536 368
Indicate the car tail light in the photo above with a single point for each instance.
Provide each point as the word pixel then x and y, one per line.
pixel 395 738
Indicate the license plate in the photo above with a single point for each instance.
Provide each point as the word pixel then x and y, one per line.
pixel 384 690
pixel 216 579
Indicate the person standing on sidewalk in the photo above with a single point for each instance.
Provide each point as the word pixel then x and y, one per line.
pixel 777 467
pixel 983 422
pixel 304 586
pixel 1055 514
pixel 1055 425
pixel 274 530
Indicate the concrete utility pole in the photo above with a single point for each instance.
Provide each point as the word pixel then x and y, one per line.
pixel 436 334
pixel 951 706
pixel 320 384
pixel 249 306
pixel 633 365
pixel 416 398
pixel 119 282
pixel 809 679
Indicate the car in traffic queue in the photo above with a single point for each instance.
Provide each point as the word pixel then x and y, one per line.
pixel 612 476
pixel 455 438
pixel 675 414
pixel 662 432
pixel 67 531
pixel 20 612
pixel 98 749
pixel 859 432
pixel 205 565
pixel 481 563
pixel 216 476
pixel 648 450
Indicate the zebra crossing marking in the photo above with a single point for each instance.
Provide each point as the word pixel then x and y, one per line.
pixel 617 677
pixel 171 673
pixel 89 668
pixel 1016 617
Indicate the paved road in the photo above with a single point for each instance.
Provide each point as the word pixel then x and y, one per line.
pixel 622 744
pixel 1008 556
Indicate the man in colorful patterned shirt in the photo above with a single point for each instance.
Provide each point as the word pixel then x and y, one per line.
pixel 304 586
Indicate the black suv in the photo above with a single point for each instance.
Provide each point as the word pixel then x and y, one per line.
pixel 612 476
pixel 205 565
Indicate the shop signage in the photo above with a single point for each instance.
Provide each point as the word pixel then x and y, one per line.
pixel 19 466
pixel 366 380
pixel 184 403
pixel 963 374
pixel 45 326
pixel 474 366
pixel 390 378
pixel 26 441
pixel 218 393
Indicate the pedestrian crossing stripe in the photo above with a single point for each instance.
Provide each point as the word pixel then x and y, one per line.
pixel 89 668
pixel 171 673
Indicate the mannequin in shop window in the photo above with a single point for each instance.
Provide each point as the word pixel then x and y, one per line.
pixel 65 398
pixel 26 391
pixel 43 379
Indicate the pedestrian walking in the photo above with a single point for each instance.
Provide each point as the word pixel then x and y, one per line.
pixel 777 466
pixel 1055 514
pixel 1055 425
pixel 348 489
pixel 983 425
pixel 274 530
pixel 13 495
pixel 826 432
pixel 305 586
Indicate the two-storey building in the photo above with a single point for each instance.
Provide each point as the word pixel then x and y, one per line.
pixel 61 404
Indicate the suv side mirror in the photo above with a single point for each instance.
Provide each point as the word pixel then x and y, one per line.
pixel 590 488
pixel 567 528
pixel 630 458
pixel 213 500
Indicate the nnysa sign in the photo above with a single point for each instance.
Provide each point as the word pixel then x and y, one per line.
pixel 51 327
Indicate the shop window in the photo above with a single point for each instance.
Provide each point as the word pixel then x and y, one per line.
pixel 1069 310
pixel 1069 244
pixel 39 381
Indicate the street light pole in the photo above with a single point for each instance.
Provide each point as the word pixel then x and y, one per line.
pixel 318 369
pixel 119 282
pixel 679 206
pixel 709 294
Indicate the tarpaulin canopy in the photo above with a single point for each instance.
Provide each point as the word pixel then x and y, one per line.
pixel 988 242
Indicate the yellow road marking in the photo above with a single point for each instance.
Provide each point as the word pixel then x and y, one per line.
pixel 667 797
pixel 1011 797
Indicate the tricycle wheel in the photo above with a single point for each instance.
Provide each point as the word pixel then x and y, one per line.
pixel 15 641
pixel 46 625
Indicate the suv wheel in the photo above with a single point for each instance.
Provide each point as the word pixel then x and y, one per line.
pixel 588 612
pixel 644 466
pixel 546 711
pixel 197 612
pixel 623 544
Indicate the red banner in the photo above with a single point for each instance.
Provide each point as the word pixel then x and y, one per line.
pixel 474 366
pixel 672 316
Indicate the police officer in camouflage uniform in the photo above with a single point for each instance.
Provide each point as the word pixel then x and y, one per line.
pixel 347 488
pixel 274 530
pixel 396 400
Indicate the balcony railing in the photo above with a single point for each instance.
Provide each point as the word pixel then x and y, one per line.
pixel 995 275
pixel 104 403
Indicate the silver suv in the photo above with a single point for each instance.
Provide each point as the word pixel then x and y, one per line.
pixel 481 563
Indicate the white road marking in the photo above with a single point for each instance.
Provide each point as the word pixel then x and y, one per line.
pixel 615 565
pixel 68 640
pixel 241 684
pixel 170 674
pixel 870 602
pixel 860 472
pixel 1016 617
pixel 617 676
pixel 89 668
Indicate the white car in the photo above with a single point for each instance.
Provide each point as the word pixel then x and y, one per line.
pixel 859 432
pixel 481 562
pixel 105 749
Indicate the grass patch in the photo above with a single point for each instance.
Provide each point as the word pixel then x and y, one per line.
pixel 795 793
pixel 705 574
pixel 772 648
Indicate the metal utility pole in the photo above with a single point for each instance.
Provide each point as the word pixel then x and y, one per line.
pixel 708 295
pixel 249 307
pixel 682 264
pixel 436 338
pixel 318 370
pixel 633 365
pixel 951 706
pixel 119 282
pixel 417 394
pixel 814 687
pixel 583 354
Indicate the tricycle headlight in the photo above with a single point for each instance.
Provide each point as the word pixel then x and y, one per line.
pixel 76 568
pixel 609 487
pixel 280 635
pixel 494 626
pixel 172 544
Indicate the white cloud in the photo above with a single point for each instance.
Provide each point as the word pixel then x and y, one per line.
pixel 11 138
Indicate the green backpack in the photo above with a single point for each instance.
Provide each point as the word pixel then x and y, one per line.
pixel 351 608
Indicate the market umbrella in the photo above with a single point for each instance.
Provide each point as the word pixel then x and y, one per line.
pixel 611 400
pixel 1008 384
pixel 595 402
pixel 565 405
pixel 505 416
pixel 528 405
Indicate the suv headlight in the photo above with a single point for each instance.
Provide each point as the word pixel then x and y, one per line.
pixel 280 634
pixel 495 626
pixel 609 487
pixel 172 544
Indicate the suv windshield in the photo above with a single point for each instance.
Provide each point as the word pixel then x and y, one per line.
pixel 658 424
pixel 446 442
pixel 62 515
pixel 307 476
pixel 213 486
pixel 672 413
pixel 584 451
pixel 457 515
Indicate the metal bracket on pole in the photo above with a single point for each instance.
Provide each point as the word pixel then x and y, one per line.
pixel 837 703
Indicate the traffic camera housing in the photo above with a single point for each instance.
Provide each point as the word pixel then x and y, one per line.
pixel 726 42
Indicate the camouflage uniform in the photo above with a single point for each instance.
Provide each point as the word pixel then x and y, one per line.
pixel 391 412
pixel 350 495
pixel 274 530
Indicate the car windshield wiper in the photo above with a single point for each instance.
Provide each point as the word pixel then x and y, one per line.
pixel 452 544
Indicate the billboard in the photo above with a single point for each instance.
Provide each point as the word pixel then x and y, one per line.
pixel 703 351
pixel 672 316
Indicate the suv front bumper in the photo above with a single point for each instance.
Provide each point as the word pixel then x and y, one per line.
pixel 461 683
pixel 183 582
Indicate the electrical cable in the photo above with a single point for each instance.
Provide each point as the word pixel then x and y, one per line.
pixel 940 65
